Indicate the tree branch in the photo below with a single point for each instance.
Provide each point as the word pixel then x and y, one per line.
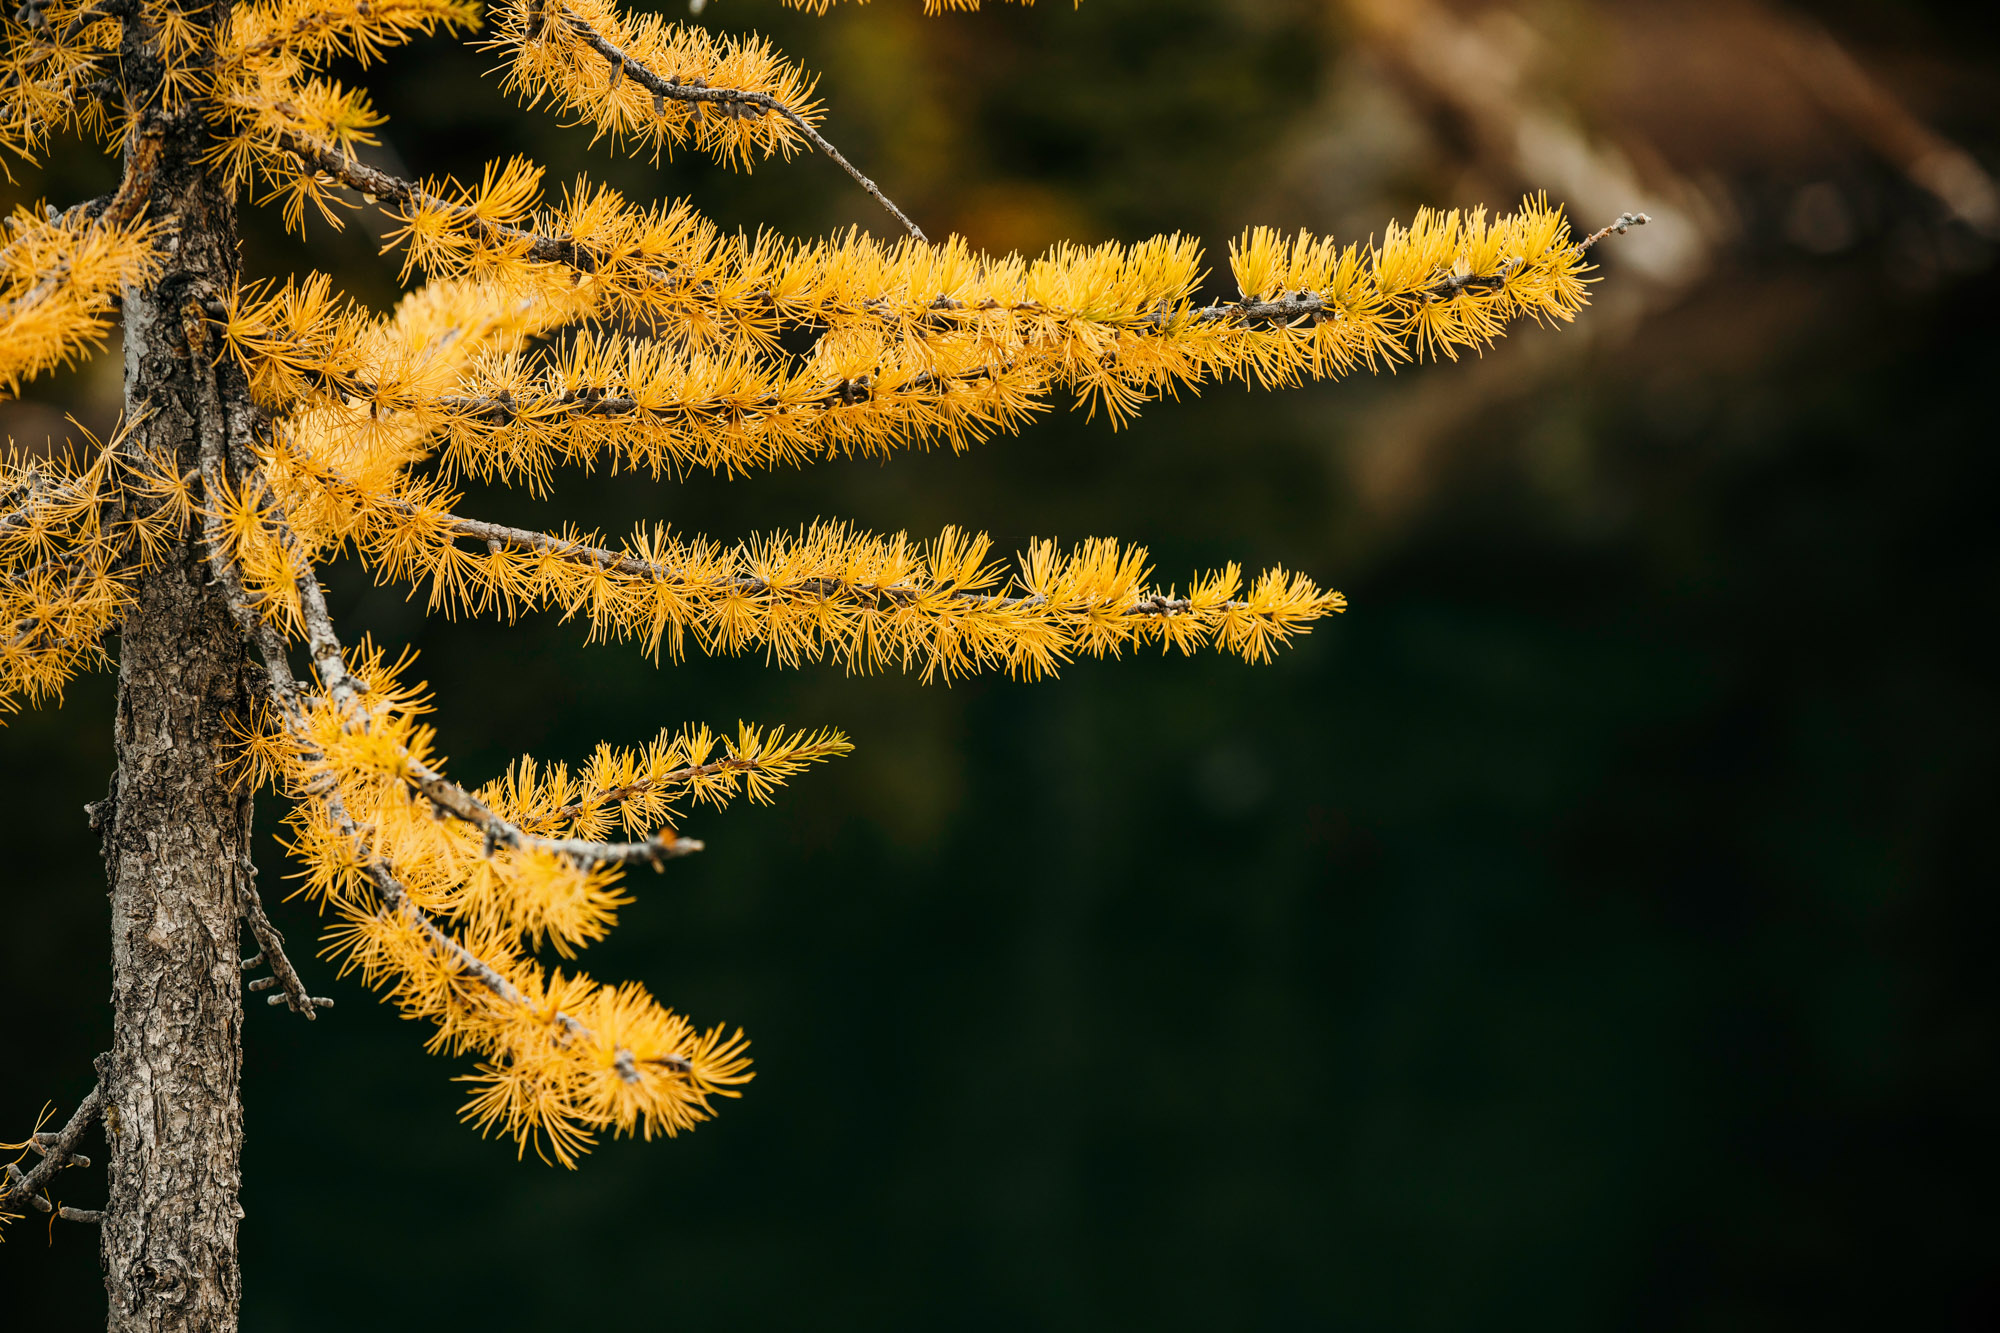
pixel 1620 224
pixel 598 557
pixel 1284 310
pixel 287 697
pixel 732 99
pixel 271 949
pixel 377 185
pixel 1293 306
pixel 118 209
pixel 605 559
pixel 329 659
pixel 57 1150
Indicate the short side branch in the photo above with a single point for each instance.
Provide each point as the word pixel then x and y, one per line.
pixel 330 661
pixel 1620 224
pixel 379 186
pixel 58 1150
pixel 271 950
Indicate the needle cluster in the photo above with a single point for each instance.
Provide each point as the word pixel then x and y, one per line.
pixel 576 55
pixel 60 274
pixel 53 60
pixel 75 529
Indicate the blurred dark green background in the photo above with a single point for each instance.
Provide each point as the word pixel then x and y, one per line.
pixel 1585 932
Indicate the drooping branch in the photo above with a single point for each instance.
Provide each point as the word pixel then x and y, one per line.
pixel 288 699
pixel 329 660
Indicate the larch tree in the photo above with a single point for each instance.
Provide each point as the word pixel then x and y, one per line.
pixel 270 425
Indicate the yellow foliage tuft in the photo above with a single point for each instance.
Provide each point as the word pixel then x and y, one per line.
pixel 551 56
pixel 73 534
pixel 59 280
pixel 44 66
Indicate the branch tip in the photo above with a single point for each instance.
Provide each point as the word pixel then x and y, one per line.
pixel 1619 225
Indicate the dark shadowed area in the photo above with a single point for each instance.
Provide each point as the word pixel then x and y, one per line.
pixel 1586 931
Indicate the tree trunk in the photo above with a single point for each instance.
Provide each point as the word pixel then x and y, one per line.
pixel 178 838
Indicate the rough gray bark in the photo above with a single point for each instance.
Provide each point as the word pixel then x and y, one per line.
pixel 177 837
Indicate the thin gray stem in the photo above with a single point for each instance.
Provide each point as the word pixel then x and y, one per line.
pixel 271 949
pixel 1620 225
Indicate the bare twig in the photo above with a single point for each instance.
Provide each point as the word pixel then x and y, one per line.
pixel 43 1141
pixel 271 948
pixel 1620 224
pixel 57 1151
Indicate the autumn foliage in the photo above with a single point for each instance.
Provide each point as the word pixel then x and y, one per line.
pixel 549 329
